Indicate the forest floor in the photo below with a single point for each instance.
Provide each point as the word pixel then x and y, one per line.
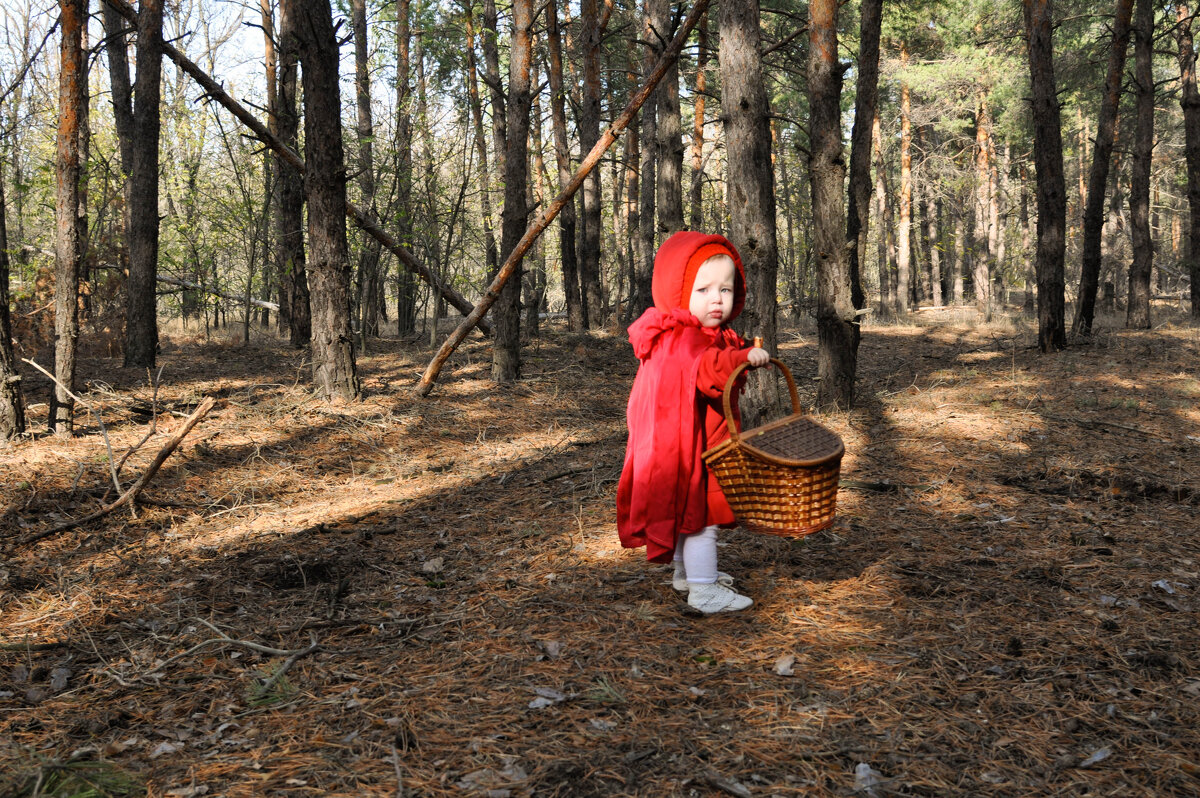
pixel 428 598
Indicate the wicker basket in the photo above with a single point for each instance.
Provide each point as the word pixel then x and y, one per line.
pixel 780 478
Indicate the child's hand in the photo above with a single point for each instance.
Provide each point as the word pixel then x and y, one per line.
pixel 759 356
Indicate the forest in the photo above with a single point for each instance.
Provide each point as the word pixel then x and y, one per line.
pixel 314 371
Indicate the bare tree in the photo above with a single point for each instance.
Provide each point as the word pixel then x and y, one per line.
pixel 69 245
pixel 289 215
pixel 334 369
pixel 866 97
pixel 1106 127
pixel 670 133
pixel 837 319
pixel 12 400
pixel 751 196
pixel 1190 101
pixel 1138 310
pixel 1051 184
pixel 506 351
pixel 369 277
pixel 589 133
pixel 576 313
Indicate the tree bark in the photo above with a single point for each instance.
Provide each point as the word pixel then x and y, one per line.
pixel 1051 183
pixel 589 133
pixel 491 255
pixel 334 370
pixel 68 249
pixel 12 399
pixel 981 259
pixel 837 320
pixel 865 101
pixel 289 216
pixel 576 314
pixel 506 350
pixel 1106 126
pixel 1137 314
pixel 695 193
pixel 1190 102
pixel 670 135
pixel 491 63
pixel 751 195
pixel 887 231
pixel 644 242
pixel 905 198
pixel 406 283
pixel 271 167
pixel 141 322
pixel 368 259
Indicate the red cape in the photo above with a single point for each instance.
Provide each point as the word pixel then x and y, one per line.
pixel 663 487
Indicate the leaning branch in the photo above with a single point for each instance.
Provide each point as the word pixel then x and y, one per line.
pixel 131 494
pixel 290 157
pixel 259 303
pixel 514 258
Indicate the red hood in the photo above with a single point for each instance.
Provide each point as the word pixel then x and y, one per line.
pixel 675 268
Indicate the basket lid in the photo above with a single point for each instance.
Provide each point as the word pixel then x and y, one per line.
pixel 797 440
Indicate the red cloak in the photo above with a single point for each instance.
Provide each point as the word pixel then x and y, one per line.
pixel 674 410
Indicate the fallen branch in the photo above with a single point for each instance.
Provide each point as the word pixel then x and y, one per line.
pixel 585 167
pixel 224 639
pixel 130 495
pixel 258 303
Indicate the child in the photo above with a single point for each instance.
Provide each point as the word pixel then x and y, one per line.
pixel 666 499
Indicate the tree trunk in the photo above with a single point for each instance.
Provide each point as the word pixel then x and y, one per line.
pixel 535 285
pixel 1030 276
pixel 506 350
pixel 141 322
pixel 68 248
pixel 696 189
pixel 1137 314
pixel 368 259
pixel 117 48
pixel 491 64
pixel 633 199
pixel 981 253
pixel 837 321
pixel 491 255
pixel 12 399
pixel 904 228
pixel 576 314
pixel 644 243
pixel 670 134
pixel 406 281
pixel 1190 101
pixel 334 370
pixel 270 176
pixel 1106 126
pixel 887 231
pixel 866 96
pixel 589 133
pixel 289 217
pixel 1051 184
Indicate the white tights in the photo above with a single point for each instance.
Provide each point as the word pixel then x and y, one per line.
pixel 697 554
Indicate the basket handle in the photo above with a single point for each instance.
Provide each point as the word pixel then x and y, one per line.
pixel 725 401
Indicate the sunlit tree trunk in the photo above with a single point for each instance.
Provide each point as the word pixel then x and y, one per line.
pixel 506 350
pixel 334 369
pixel 837 320
pixel 1051 184
pixel 981 253
pixel 905 198
pixel 865 101
pixel 68 246
pixel 1190 101
pixel 696 189
pixel 1106 127
pixel 887 232
pixel 289 216
pixel 1138 309
pixel 1030 276
pixel 270 176
pixel 481 154
pixel 576 316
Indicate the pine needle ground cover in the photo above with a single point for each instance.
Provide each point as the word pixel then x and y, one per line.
pixel 428 598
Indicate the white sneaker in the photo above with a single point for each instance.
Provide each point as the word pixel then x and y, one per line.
pixel 680 582
pixel 716 597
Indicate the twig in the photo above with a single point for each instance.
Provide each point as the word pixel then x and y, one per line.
pixel 153 424
pixel 131 494
pixel 292 654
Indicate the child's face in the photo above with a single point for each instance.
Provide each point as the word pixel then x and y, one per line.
pixel 712 293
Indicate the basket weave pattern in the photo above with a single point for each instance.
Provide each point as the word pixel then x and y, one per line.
pixel 780 478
